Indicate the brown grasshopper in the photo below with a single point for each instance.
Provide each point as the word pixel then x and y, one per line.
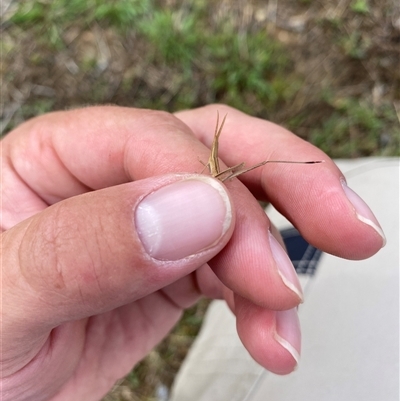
pixel 231 172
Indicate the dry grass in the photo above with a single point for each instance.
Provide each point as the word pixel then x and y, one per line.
pixel 327 70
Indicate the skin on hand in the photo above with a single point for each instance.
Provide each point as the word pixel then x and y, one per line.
pixel 91 284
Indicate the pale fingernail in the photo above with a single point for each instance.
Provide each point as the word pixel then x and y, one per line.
pixel 285 267
pixel 363 212
pixel 288 333
pixel 183 218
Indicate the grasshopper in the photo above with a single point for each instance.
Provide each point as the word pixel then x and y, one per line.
pixel 239 169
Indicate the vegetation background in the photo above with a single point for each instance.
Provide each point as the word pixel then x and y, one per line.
pixel 328 71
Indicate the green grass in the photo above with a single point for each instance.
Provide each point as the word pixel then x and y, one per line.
pixel 203 57
pixel 245 66
pixel 61 13
pixel 243 69
pixel 355 45
pixel 360 6
pixel 174 36
pixel 356 128
pixel 233 66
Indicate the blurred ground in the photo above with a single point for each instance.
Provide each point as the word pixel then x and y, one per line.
pixel 329 71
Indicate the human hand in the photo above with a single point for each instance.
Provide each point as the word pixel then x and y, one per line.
pixel 89 285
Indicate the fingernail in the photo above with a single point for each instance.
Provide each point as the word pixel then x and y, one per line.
pixel 288 333
pixel 183 218
pixel 363 212
pixel 285 267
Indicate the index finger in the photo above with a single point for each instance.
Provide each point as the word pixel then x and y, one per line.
pixel 315 198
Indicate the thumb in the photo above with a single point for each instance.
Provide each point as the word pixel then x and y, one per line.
pixel 97 251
